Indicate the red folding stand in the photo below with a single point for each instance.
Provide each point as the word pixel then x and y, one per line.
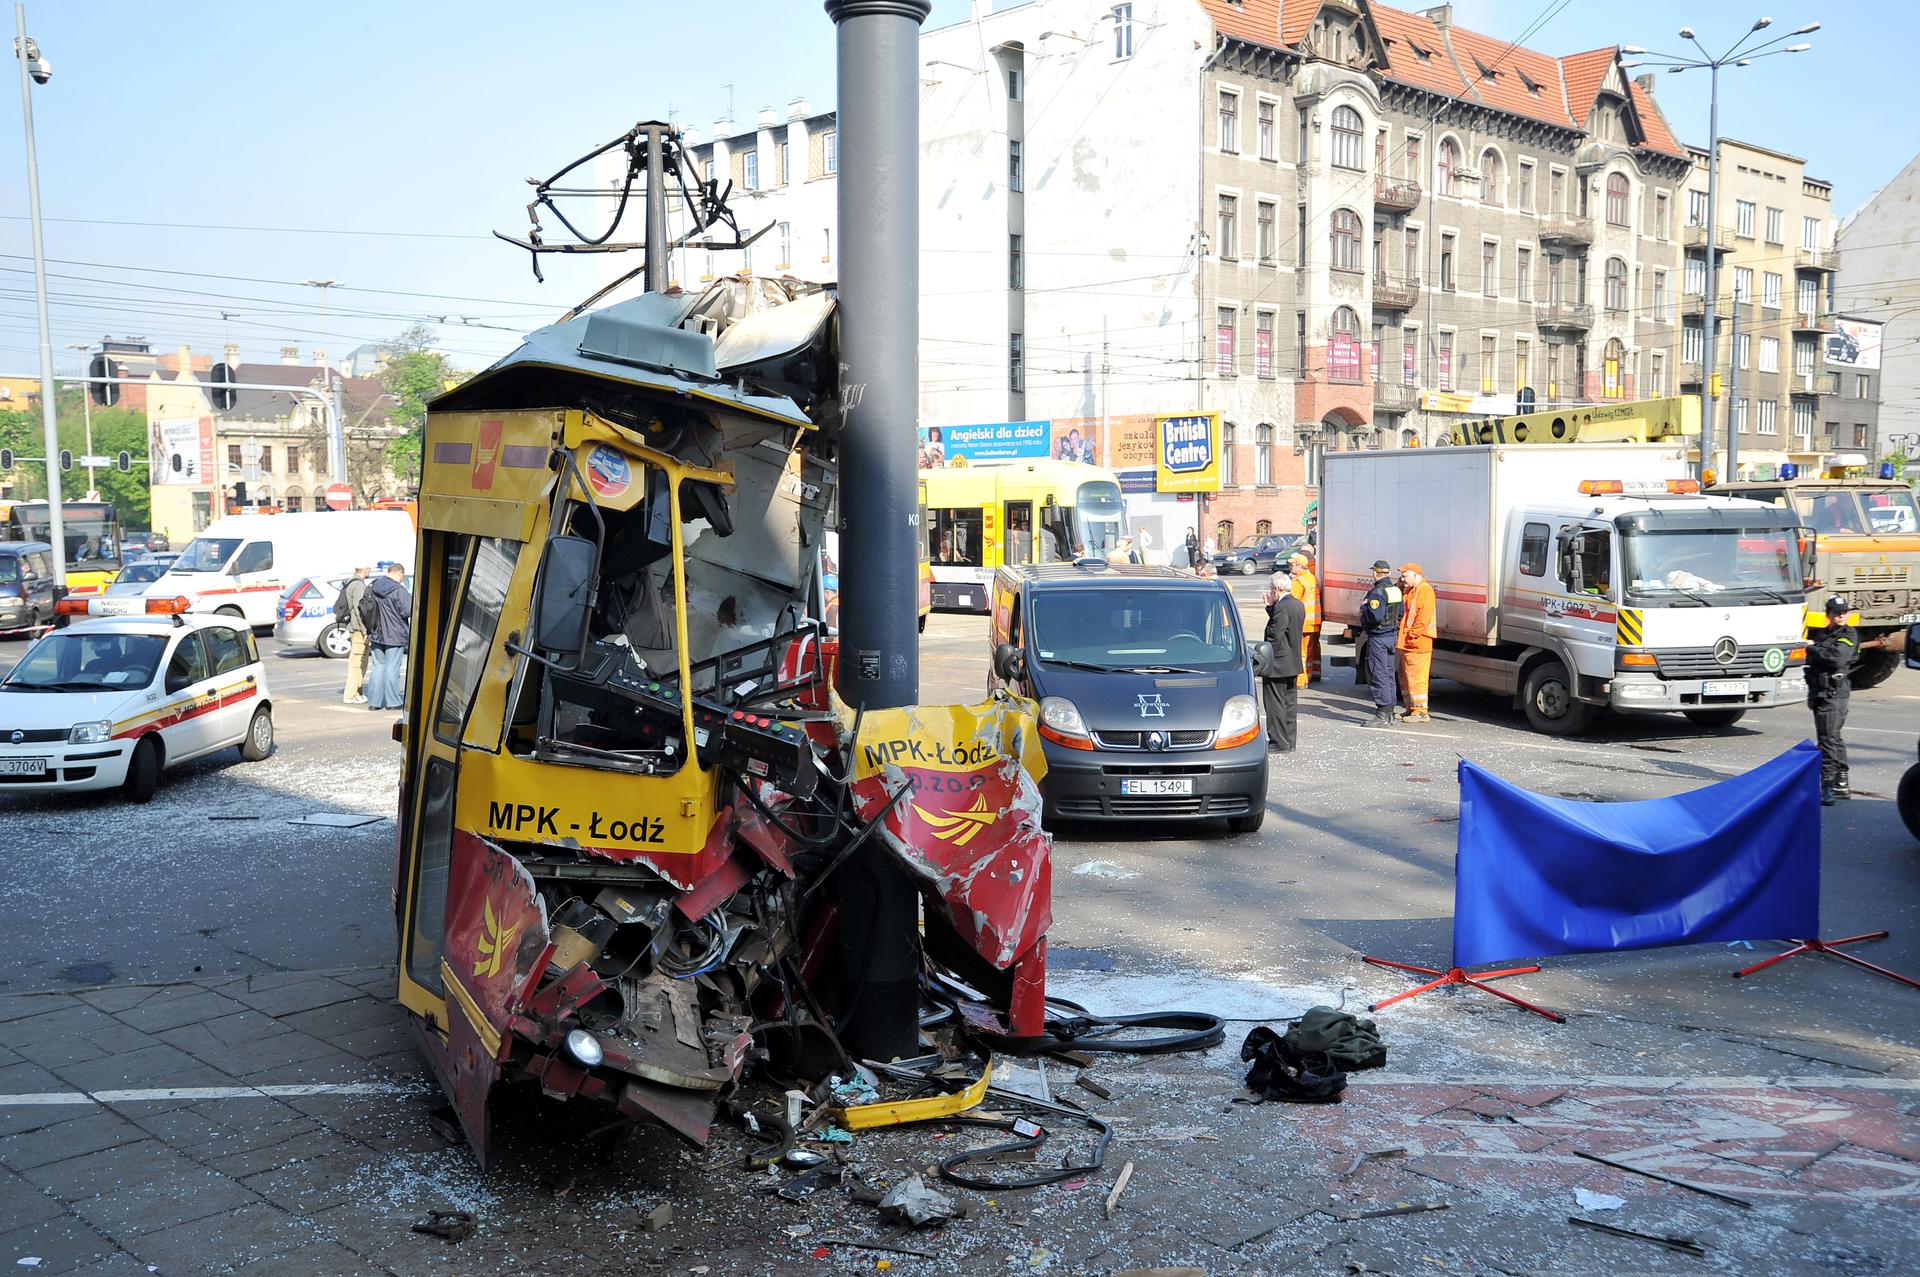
pixel 1832 949
pixel 1459 975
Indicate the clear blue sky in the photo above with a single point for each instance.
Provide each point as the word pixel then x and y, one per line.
pixel 406 132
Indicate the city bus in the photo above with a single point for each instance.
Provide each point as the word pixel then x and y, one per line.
pixel 91 530
pixel 980 518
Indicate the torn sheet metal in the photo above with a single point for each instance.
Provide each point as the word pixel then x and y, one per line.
pixel 865 1117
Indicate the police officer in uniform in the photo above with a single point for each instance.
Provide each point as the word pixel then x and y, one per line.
pixel 1830 659
pixel 1379 628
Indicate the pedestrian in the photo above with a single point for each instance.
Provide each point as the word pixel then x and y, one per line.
pixel 387 609
pixel 1379 636
pixel 1830 660
pixel 346 609
pixel 1279 681
pixel 1306 588
pixel 1193 548
pixel 1211 548
pixel 1419 626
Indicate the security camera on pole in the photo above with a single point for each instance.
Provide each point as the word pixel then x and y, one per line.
pixel 34 67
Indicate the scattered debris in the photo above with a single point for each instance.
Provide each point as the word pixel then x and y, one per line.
pixel 1278 1073
pixel 861 1117
pixel 1398 1208
pixel 1163 1272
pixel 799 1230
pixel 1685 1245
pixel 834 1135
pixel 237 818
pixel 452 1225
pixel 658 1218
pixel 336 819
pixel 882 1247
pixel 1104 869
pixel 1665 1179
pixel 1589 1200
pixel 1098 1087
pixel 1119 1187
pixel 28 1261
pixel 446 1124
pixel 1371 1155
pixel 1023 1079
pixel 803 1159
pixel 804 1186
pixel 912 1201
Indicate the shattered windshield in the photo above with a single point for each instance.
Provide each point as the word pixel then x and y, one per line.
pixel 1705 562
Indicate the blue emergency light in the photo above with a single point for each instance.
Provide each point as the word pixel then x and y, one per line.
pixel 1886 469
pixel 1788 470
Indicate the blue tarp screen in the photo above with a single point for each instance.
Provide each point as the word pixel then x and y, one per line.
pixel 1738 860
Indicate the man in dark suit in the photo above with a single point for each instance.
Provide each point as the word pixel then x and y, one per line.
pixel 1279 682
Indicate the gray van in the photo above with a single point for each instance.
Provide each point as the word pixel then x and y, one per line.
pixel 1149 708
pixel 26 585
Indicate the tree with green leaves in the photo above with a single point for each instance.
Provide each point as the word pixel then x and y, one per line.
pixel 414 374
pixel 115 430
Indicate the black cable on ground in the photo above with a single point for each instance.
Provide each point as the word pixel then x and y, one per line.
pixel 1196 1030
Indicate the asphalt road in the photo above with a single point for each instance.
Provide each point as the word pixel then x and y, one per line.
pixel 1356 855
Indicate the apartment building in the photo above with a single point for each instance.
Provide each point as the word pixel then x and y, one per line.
pixel 784 175
pixel 1879 245
pixel 1773 240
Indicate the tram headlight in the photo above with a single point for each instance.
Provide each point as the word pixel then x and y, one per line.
pixel 584 1047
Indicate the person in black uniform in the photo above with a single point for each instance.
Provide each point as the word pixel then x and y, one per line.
pixel 1279 682
pixel 1830 659
pixel 1379 631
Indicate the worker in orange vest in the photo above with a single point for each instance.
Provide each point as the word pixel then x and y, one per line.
pixel 1306 588
pixel 1419 626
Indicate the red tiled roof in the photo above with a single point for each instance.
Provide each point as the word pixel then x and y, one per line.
pixel 1659 137
pixel 1504 90
pixel 1585 72
pixel 1407 37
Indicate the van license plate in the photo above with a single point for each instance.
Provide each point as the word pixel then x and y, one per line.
pixel 23 766
pixel 1726 687
pixel 1157 785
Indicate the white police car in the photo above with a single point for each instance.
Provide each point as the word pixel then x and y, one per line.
pixel 111 700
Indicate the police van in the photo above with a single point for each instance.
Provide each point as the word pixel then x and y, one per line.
pixel 1149 707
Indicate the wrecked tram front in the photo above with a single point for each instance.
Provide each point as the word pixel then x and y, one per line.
pixel 628 783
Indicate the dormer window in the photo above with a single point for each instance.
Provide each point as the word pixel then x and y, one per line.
pixel 1486 72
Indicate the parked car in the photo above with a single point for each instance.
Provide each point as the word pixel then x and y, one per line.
pixel 1257 553
pixel 110 701
pixel 307 619
pixel 140 573
pixel 145 542
pixel 26 585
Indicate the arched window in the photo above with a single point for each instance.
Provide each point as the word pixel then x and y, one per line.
pixel 1226 454
pixel 1343 345
pixel 1409 438
pixel 1449 164
pixel 1223 534
pixel 1616 284
pixel 1348 138
pixel 1613 377
pixel 296 501
pixel 1493 178
pixel 1344 233
pixel 1617 199
pixel 1263 455
pixel 1262 526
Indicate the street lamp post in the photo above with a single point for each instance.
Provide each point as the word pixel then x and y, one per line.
pixel 337 441
pixel 1740 53
pixel 34 67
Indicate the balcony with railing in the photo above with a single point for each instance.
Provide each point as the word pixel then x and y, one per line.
pixel 1695 304
pixel 1814 383
pixel 1813 321
pixel 1396 197
pixel 1392 397
pixel 1816 259
pixel 1391 292
pixel 1564 316
pixel 1564 228
pixel 1695 238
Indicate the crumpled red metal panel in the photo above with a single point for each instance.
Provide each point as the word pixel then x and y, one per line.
pixel 970 829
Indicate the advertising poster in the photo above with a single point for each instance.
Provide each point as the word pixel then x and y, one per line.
pixel 1188 458
pixel 983 443
pixel 1854 344
pixel 1076 440
pixel 182 450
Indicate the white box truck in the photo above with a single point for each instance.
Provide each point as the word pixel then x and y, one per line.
pixel 239 565
pixel 1576 576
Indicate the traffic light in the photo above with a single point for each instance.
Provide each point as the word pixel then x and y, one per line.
pixel 6 458
pixel 224 395
pixel 66 458
pixel 240 493
pixel 124 462
pixel 105 394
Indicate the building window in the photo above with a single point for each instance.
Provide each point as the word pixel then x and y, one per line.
pixel 1409 355
pixel 786 244
pixel 1228 229
pixel 1692 347
pixel 1739 412
pixel 1414 171
pixel 1806 297
pixel 1229 121
pixel 1446 263
pixel 1343 346
pixel 1013 84
pixel 1803 352
pixel 1862 386
pixel 1662 214
pixel 1657 377
pixel 1122 31
pixel 826 244
pixel 1743 350
pixel 1616 199
pixel 1616 284
pixel 1810 233
pixel 1449 165
pixel 233 456
pixel 1776 226
pixel 1016 269
pixel 1489 363
pixel 266 457
pixel 1348 139
pixel 1523 275
pixel 1769 354
pixel 1489 268
pixel 1263 343
pixel 293 458
pixel 1556 191
pixel 750 169
pixel 1769 417
pixel 1770 290
pixel 1802 418
pixel 1525 192
pixel 1613 370
pixel 1493 183
pixel 1553 372
pixel 1267 139
pixel 1269 240
pixel 1016 363
pixel 295 503
pixel 1553 278
pixel 1446 361
pixel 1660 295
pixel 1013 166
pixel 781 173
pixel 1300 342
pixel 1226 477
pixel 1226 359
pixel 1263 455
pixel 1743 283
pixel 1373 352
pixel 1413 254
pixel 1696 208
pixel 1696 280
pixel 1743 218
pixel 1860 436
pixel 1344 234
pixel 830 152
